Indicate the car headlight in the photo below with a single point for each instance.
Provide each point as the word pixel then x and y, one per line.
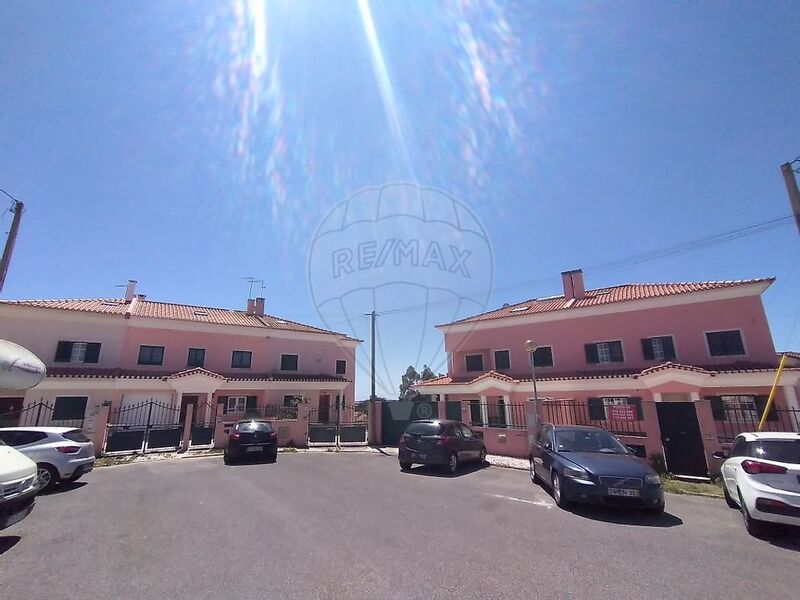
pixel 653 479
pixel 576 473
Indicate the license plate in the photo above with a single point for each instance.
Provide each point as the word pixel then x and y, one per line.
pixel 255 448
pixel 628 493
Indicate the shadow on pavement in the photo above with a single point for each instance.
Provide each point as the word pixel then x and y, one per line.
pixel 435 471
pixel 782 536
pixel 65 486
pixel 259 460
pixel 8 541
pixel 625 516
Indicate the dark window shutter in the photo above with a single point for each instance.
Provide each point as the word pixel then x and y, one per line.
pixel 714 343
pixel 637 402
pixel 761 404
pixel 63 351
pixel 223 400
pixel 616 351
pixel 591 354
pixel 669 347
pixel 250 404
pixel 597 411
pixel 647 349
pixel 92 352
pixel 733 343
pixel 543 357
pixel 717 407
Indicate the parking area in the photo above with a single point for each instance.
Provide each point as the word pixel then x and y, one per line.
pixel 348 525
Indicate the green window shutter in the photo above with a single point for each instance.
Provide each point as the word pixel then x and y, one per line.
pixel 616 351
pixel 63 351
pixel 669 347
pixel 591 354
pixel 647 349
pixel 637 402
pixel 597 411
pixel 717 407
pixel 92 353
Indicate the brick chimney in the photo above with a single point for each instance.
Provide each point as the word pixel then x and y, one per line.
pixel 251 306
pixel 130 291
pixel 260 306
pixel 574 288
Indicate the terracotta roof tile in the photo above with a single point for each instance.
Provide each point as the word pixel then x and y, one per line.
pixel 95 372
pixel 609 295
pixel 113 306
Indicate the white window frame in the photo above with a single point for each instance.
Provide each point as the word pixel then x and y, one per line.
pixel 236 402
pixel 724 356
pixel 603 352
pixel 607 342
pixel 280 366
pixel 78 352
pixel 494 358
pixel 650 339
pixel 483 363
pixel 741 406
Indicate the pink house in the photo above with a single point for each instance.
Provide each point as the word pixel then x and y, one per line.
pixel 676 369
pixel 214 364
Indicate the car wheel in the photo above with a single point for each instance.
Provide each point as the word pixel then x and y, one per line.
pixel 482 456
pixel 534 477
pixel 558 493
pixel 728 498
pixel 272 457
pixel 754 526
pixel 46 475
pixel 405 466
pixel 452 463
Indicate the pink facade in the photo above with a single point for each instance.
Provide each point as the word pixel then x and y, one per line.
pixel 683 397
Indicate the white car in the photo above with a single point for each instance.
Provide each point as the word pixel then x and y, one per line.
pixel 18 486
pixel 60 453
pixel 761 476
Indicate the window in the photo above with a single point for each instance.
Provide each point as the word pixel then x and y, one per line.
pixel 151 355
pixel 741 409
pixel 77 352
pixel 474 362
pixel 604 352
pixel 660 348
pixel 725 343
pixel 253 426
pixel 785 451
pixel 69 408
pixel 543 356
pixel 739 448
pixel 288 362
pixel 241 359
pixel 21 438
pixel 236 404
pixel 341 367
pixel 502 360
pixel 197 357
pixel 466 431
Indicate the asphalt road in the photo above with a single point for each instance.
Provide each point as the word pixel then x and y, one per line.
pixel 353 526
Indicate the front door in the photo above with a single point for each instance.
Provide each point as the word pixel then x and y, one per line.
pixel 680 436
pixel 186 401
pixel 324 408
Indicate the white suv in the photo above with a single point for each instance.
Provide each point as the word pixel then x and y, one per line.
pixel 17 486
pixel 60 453
pixel 761 475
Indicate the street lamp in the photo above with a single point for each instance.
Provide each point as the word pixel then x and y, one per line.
pixel 530 346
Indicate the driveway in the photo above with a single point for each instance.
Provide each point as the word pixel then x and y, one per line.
pixel 354 526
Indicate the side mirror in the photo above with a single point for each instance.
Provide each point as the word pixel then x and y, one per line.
pixel 720 455
pixel 477 434
pixel 548 446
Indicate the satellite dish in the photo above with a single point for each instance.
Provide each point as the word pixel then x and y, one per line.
pixel 20 369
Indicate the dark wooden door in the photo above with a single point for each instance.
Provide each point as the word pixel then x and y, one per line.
pixel 186 401
pixel 324 409
pixel 680 436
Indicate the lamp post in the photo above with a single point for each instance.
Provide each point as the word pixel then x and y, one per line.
pixel 530 346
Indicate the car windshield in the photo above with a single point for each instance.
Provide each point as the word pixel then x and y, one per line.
pixel 786 451
pixel 424 429
pixel 253 426
pixel 583 440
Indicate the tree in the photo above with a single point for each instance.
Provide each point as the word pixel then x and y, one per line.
pixel 412 377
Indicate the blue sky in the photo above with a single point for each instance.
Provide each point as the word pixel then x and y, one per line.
pixel 190 144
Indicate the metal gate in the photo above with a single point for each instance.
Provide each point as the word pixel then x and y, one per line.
pixel 396 415
pixel 342 426
pixel 148 425
pixel 204 422
pixel 41 414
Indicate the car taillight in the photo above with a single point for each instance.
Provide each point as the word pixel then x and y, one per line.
pixel 442 441
pixel 235 435
pixel 754 467
pixel 68 449
pixel 272 434
pixel 766 503
pixel 402 440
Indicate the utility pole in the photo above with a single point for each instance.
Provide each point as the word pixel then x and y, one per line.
pixel 791 187
pixel 17 209
pixel 372 317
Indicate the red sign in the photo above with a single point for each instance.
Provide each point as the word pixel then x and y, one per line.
pixel 621 412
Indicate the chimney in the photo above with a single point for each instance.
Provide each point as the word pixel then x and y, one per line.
pixel 251 306
pixel 130 291
pixel 260 306
pixel 574 288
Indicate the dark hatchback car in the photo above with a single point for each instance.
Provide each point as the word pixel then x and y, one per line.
pixel 252 438
pixel 589 464
pixel 440 442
